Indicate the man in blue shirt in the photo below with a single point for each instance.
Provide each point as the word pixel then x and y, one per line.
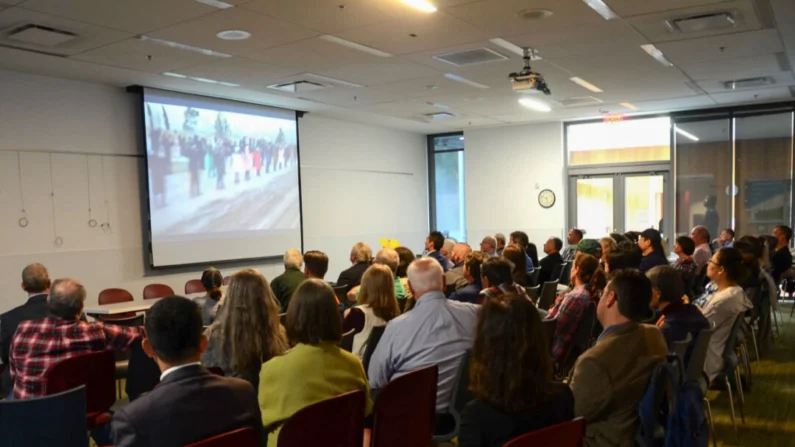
pixel 434 243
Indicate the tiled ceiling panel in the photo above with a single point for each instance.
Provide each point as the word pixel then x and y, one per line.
pixel 745 67
pixel 144 56
pixel 629 8
pixel 312 55
pixel 237 70
pixel 730 46
pixel 390 70
pixel 764 95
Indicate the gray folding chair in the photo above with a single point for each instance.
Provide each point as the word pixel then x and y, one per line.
pixel 679 348
pixel 548 293
pixel 695 372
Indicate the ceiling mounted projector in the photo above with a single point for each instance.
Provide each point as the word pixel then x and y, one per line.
pixel 527 79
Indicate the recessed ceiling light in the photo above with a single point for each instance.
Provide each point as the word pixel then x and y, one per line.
pixel 657 54
pixel 205 80
pixel 534 14
pixel 182 46
pixel 686 134
pixel 535 104
pixel 422 5
pixel 354 45
pixel 583 83
pixel 463 80
pixel 229 84
pixel 216 3
pixel 174 75
pixel 233 34
pixel 500 42
pixel 602 9
pixel 628 105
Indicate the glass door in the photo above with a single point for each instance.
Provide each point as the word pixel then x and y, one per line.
pixel 643 202
pixel 595 204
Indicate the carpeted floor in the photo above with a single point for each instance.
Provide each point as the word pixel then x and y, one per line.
pixel 770 404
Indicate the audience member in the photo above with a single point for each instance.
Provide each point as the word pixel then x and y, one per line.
pixel 726 238
pixel 510 377
pixel 650 244
pixel 247 332
pixel 500 238
pixel 390 258
pixel 489 246
pixel 212 280
pixel 726 269
pixel 361 255
pixel 589 281
pixel 436 332
pixel 376 301
pixel 553 259
pixel 684 248
pixel 36 283
pixel 781 257
pixel 433 244
pixel 677 318
pixel 632 236
pixel 702 253
pixel 618 237
pixel 608 245
pixel 406 257
pixel 454 278
pixel 316 368
pixel 519 239
pixel 518 258
pixel 574 237
pixel 315 265
pixel 610 378
pixel 472 274
pixel 285 284
pixel 532 252
pixel 447 252
pixel 497 279
pixel 589 247
pixel 39 344
pixel 177 412
pixel 623 259
pixel 771 242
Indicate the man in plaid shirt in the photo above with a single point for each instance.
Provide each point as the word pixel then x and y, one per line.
pixel 38 344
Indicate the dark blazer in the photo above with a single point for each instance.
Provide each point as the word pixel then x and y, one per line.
pixel 285 284
pixel 353 276
pixel 34 309
pixel 467 294
pixel 439 258
pixel 189 405
pixel 548 264
pixel 485 426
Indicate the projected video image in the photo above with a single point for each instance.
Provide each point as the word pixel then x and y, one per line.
pixel 216 171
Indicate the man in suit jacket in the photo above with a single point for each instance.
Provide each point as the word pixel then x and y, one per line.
pixel 36 282
pixel 285 284
pixel 361 255
pixel 610 378
pixel 553 259
pixel 190 403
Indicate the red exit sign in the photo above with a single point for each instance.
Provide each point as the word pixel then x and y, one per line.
pixel 612 118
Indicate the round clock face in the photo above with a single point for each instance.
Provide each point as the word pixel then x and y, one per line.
pixel 546 198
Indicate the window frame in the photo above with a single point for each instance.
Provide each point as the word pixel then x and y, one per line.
pixel 431 149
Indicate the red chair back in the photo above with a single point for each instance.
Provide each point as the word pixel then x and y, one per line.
pixel 112 296
pixel 97 371
pixel 227 280
pixel 567 434
pixel 339 420
pixel 242 437
pixel 404 413
pixel 153 291
pixel 194 286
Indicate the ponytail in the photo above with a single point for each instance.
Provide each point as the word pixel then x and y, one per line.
pixel 590 274
pixel 597 283
pixel 214 293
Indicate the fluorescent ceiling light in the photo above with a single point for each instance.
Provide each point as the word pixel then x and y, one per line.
pixel 354 45
pixel 463 80
pixel 516 49
pixel 583 83
pixel 174 75
pixel 229 84
pixel 422 5
pixel 217 3
pixel 182 46
pixel 628 105
pixel 535 104
pixel 233 34
pixel 657 54
pixel 602 9
pixel 686 134
pixel 208 81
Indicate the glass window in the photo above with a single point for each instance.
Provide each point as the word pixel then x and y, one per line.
pixel 448 212
pixel 629 141
pixel 595 206
pixel 643 202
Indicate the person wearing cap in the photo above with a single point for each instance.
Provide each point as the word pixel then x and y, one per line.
pixel 610 378
pixel 589 247
pixel 650 244
pixel 212 279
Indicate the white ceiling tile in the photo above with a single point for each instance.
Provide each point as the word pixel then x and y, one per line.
pixel 10 2
pixel 326 16
pixel 427 86
pixel 407 108
pixel 312 55
pixel 749 96
pixel 237 70
pixel 89 36
pixel 718 86
pixel 729 46
pixel 135 54
pixel 630 62
pixel 727 69
pixel 389 70
pixel 349 96
pixel 464 123
pixel 629 8
pixel 666 105
pixel 139 16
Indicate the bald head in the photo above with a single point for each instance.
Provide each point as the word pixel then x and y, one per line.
pixel 700 235
pixel 460 251
pixel 66 298
pixel 425 275
pixel 35 279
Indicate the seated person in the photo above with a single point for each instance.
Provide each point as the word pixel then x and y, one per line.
pixel 589 247
pixel 212 280
pixel 406 257
pixel 433 244
pixel 390 258
pixel 38 344
pixel 623 258
pixel 316 368
pixel 249 311
pixel 610 378
pixel 376 300
pixel 285 284
pixel 650 244
pixel 489 246
pixel 454 278
pixel 553 259
pixel 511 377
pixel 518 259
pixel 520 239
pixel 472 264
pixel 361 255
pixel 497 279
pixel 436 332
pixel 315 264
pixel 175 413
pixel 678 318
pixel 684 248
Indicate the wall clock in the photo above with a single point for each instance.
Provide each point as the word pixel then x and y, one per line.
pixel 546 198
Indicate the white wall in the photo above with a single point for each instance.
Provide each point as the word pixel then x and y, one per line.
pixel 359 182
pixel 506 168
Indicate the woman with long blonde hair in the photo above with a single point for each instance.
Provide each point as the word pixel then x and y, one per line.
pixel 246 332
pixel 376 301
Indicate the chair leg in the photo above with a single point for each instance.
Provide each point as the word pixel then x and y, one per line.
pixel 731 405
pixel 738 383
pixel 756 346
pixel 710 422
pixel 775 324
pixel 746 365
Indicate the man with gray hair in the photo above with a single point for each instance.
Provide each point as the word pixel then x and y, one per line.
pixel 38 344
pixel 285 284
pixel 703 252
pixel 361 255
pixel 500 238
pixel 390 258
pixel 489 246
pixel 437 331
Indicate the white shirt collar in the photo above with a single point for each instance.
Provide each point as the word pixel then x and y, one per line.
pixel 175 368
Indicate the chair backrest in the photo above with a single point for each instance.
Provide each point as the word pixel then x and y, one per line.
pixel 58 419
pixel 372 342
pixel 405 411
pixel 97 371
pixel 548 292
pixel 354 321
pixel 153 291
pixel 698 357
pixel 136 320
pixel 194 286
pixel 679 348
pixel 581 340
pixel 226 281
pixel 338 421
pixel 549 330
pixel 347 340
pixel 555 275
pixel 565 273
pixel 533 292
pixel 112 296
pixel 242 437
pixel 567 434
pixel 731 341
pixel 461 394
pixel 534 276
pixel 341 291
pixel 143 374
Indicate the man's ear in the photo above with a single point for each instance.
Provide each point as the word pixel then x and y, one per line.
pixel 147 347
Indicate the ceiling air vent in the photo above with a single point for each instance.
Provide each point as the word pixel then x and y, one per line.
pixel 716 21
pixel 297 86
pixel 43 36
pixel 573 101
pixel 749 83
pixel 438 116
pixel 470 57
